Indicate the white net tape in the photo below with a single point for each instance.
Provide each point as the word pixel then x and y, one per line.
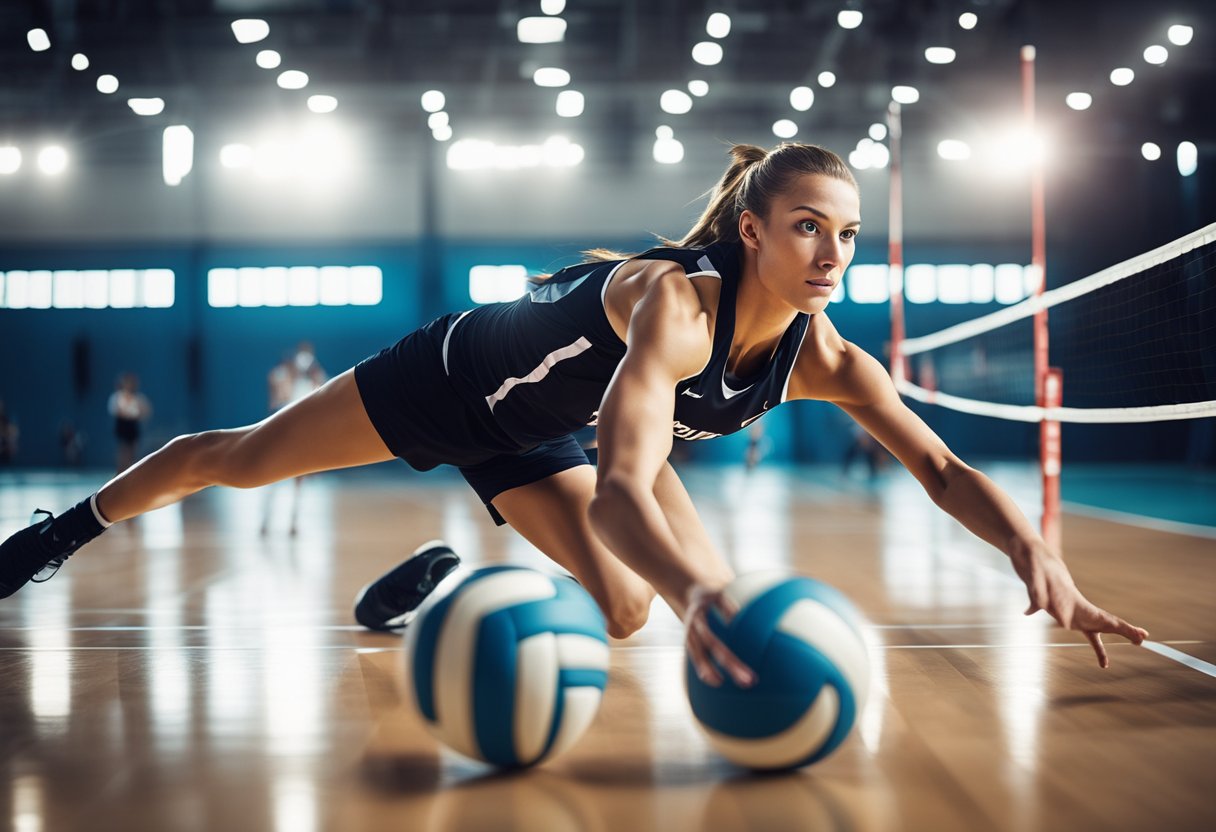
pixel 1029 413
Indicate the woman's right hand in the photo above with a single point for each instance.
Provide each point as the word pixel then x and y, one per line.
pixel 705 648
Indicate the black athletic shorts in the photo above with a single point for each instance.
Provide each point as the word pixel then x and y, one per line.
pixel 423 421
pixel 126 430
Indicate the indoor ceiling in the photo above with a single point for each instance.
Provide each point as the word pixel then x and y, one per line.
pixel 377 56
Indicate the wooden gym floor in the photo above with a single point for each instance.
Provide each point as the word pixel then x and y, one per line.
pixel 185 672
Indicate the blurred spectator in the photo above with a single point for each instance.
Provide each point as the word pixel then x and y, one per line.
pixel 130 409
pixel 9 434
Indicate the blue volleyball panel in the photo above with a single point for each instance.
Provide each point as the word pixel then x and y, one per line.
pixel 494 668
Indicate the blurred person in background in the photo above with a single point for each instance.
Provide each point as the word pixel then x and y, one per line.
pixel 130 409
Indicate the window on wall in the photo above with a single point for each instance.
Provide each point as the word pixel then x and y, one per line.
pixel 953 283
pixel 493 284
pixel 295 286
pixel 87 289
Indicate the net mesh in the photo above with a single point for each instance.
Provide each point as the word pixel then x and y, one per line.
pixel 1136 342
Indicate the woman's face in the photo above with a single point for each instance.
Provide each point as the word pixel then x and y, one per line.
pixel 807 240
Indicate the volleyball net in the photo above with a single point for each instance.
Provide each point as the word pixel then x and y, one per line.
pixel 1133 343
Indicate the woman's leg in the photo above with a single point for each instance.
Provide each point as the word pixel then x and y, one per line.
pixel 552 515
pixel 328 429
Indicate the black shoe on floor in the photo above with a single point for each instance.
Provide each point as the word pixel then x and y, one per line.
pixel 33 554
pixel 389 602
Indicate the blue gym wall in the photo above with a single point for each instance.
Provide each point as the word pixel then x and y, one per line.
pixel 204 367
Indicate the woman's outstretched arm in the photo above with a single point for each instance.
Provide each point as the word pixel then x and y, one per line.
pixel 861 387
pixel 668 339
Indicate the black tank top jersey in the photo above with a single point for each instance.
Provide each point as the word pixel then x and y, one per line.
pixel 540 364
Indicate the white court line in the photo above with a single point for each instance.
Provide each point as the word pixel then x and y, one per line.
pixel 1130 519
pixel 1160 649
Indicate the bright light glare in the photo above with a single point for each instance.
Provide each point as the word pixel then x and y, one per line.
pixel 698 88
pixel 10 160
pixel 1079 100
pixel 476 154
pixel 322 103
pixel 442 133
pixel 827 79
pixel 493 284
pixel 268 59
pixel 1150 151
pixel 250 30
pixel 1156 55
pixel 80 62
pixel 668 151
pixel 707 53
pixel 552 6
pixel 570 103
pixel 146 106
pixel 953 150
pixel 293 79
pixel 1122 76
pixel 718 25
pixel 541 30
pixel 869 154
pixel 664 132
pixel 52 160
pixel 801 98
pixel 905 94
pixel 849 19
pixel 436 120
pixel 785 129
pixel 1180 34
pixel 433 101
pixel 878 131
pixel 177 146
pixel 38 40
pixel 551 76
pixel 107 84
pixel 1188 158
pixel 968 20
pixel 676 102
pixel 236 155
pixel 939 55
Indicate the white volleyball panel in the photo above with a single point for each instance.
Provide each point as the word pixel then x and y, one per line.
pixel 578 711
pixel 743 589
pixel 536 692
pixel 576 652
pixel 784 749
pixel 822 628
pixel 456 648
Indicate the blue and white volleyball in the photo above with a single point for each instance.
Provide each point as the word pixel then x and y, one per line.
pixel 509 666
pixel 805 642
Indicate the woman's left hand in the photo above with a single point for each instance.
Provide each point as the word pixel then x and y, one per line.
pixel 1050 587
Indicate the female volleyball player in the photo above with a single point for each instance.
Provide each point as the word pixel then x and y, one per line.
pixel 694 339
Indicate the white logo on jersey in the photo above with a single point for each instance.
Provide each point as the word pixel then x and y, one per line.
pixel 594 420
pixel 689 392
pixel 685 432
pixel 748 421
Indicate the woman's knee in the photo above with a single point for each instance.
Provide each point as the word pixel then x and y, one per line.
pixel 627 612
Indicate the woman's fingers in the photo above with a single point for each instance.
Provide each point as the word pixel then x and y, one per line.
pixel 1095 639
pixel 706 671
pixel 707 644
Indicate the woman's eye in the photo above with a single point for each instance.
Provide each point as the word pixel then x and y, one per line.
pixel 808 226
pixel 848 234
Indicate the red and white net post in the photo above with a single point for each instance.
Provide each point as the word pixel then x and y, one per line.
pixel 895 248
pixel 1048 381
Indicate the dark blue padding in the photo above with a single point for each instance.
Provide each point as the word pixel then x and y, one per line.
pixel 571 611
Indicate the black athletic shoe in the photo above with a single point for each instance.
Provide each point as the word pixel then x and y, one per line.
pixel 32 554
pixel 389 602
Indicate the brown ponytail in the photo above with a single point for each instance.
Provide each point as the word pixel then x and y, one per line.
pixel 751 183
